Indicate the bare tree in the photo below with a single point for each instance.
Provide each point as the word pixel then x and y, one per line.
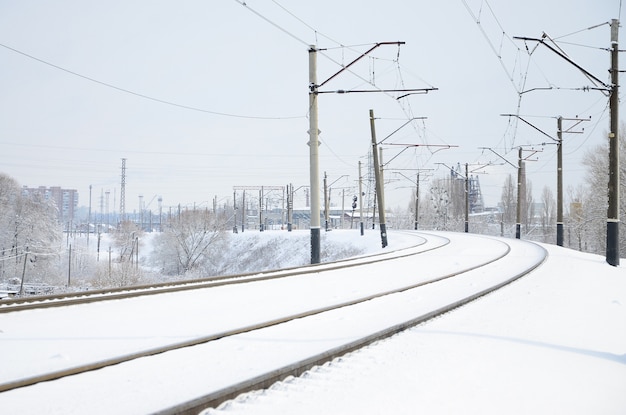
pixel 187 240
pixel 508 200
pixel 577 220
pixel 27 224
pixel 528 206
pixel 440 200
pixel 595 208
pixel 547 216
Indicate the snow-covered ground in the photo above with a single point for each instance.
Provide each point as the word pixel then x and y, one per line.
pixel 552 342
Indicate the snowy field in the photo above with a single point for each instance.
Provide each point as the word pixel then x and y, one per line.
pixel 552 342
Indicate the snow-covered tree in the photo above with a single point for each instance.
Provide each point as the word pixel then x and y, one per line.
pixel 29 233
pixel 185 245
pixel 547 216
pixel 595 209
pixel 508 201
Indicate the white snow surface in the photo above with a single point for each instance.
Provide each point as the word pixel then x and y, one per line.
pixel 552 342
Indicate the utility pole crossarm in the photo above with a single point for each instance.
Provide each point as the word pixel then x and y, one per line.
pixel 313 143
pixel 409 91
pixel 577 121
pixel 402 126
pixel 358 59
pixel 559 53
pixel 529 123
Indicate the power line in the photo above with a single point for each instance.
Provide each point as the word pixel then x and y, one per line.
pixel 127 91
pixel 491 45
pixel 276 25
pixel 582 30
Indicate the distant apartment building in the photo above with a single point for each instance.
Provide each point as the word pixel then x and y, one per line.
pixel 66 200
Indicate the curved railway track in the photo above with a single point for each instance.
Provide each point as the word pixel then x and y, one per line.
pixel 84 297
pixel 375 287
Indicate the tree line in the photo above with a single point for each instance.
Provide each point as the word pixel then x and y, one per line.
pixel 442 207
pixel 35 249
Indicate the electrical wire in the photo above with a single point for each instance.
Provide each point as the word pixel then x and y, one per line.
pixel 371 81
pixel 277 26
pixel 161 101
pixel 491 45
pixel 587 28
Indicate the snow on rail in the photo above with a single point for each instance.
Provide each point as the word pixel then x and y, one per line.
pixel 143 322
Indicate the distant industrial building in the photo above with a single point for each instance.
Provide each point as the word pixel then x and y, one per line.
pixel 66 200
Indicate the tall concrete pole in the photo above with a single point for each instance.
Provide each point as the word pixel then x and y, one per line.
pixel 325 202
pixel 559 182
pixel 260 210
pixel 289 207
pixel 382 176
pixel 466 198
pixel 417 199
pixel 243 212
pixel 89 217
pixel 123 192
pixel 612 226
pixel 234 211
pixel 314 157
pixel 518 224
pixel 361 224
pixel 379 184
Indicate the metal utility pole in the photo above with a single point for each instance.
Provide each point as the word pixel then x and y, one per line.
pixel 379 184
pixel 234 211
pixel 325 202
pixel 123 192
pixel 520 175
pixel 559 171
pixel 518 212
pixel 160 202
pixel 108 217
pixel 379 170
pixel 361 224
pixel 89 217
pixel 417 193
pixel 343 205
pixel 559 165
pixel 141 212
pixel 417 199
pixel 261 209
pixel 69 266
pixel 382 174
pixel 466 186
pixel 314 157
pixel 289 207
pixel 314 133
pixel 243 211
pixel 612 226
pixel 559 182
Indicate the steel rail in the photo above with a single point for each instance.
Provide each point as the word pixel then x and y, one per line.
pixel 48 301
pixel 54 375
pixel 264 381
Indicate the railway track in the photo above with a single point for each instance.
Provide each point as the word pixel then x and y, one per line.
pixel 330 291
pixel 91 296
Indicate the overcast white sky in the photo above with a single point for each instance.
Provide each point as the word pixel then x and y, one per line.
pixel 61 129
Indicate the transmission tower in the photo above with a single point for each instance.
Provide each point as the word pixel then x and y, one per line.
pixel 477 204
pixel 370 190
pixel 107 209
pixel 123 192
